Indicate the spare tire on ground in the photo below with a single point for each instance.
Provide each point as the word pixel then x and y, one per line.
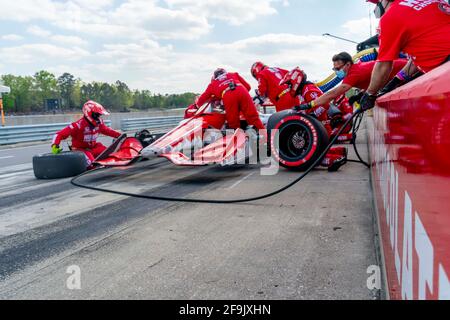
pixel 63 165
pixel 296 140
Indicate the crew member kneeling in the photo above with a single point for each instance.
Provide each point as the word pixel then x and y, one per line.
pixel 307 92
pixel 85 132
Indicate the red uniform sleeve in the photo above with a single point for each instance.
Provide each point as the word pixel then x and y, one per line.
pixel 353 77
pixel 391 42
pixel 206 96
pixel 262 86
pixel 104 129
pixel 63 134
pixel 243 82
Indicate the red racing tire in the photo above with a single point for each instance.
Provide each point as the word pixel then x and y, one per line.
pixel 296 140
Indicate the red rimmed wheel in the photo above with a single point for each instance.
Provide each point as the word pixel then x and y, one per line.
pixel 296 140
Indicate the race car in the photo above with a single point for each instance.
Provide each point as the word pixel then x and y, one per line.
pixel 295 140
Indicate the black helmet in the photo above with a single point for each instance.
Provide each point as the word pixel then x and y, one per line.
pixel 218 72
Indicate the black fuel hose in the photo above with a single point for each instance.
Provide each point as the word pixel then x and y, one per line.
pixel 187 200
pixel 356 125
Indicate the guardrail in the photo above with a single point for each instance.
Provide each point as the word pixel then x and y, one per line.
pixel 39 132
pixel 155 124
pixel 42 132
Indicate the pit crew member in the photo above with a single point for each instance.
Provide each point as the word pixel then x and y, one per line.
pixel 233 90
pixel 420 28
pixel 356 75
pixel 85 132
pixel 269 86
pixel 307 92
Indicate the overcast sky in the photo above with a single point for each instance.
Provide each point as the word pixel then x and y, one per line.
pixel 172 46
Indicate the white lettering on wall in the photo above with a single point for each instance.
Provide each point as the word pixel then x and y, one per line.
pixel 407 265
pixel 425 252
pixel 416 235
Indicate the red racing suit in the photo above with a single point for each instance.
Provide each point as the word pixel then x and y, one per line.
pixel 311 92
pixel 269 86
pixel 235 100
pixel 84 137
pixel 420 28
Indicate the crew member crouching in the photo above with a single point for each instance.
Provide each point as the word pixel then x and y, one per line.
pixel 308 92
pixel 85 132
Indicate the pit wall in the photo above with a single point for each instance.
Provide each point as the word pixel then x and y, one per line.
pixel 409 139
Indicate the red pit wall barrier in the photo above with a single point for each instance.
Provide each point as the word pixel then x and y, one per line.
pixel 410 150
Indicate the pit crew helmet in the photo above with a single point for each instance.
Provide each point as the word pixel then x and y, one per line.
pixel 295 79
pixel 93 111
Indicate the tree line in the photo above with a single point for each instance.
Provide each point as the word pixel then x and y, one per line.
pixel 29 94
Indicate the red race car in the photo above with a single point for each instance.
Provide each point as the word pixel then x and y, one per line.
pixel 295 140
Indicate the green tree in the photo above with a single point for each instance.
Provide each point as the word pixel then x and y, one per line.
pixel 66 85
pixel 22 95
pixel 28 94
pixel 76 94
pixel 107 95
pixel 46 87
pixel 123 96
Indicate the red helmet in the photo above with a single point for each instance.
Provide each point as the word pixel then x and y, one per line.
pixel 257 67
pixel 93 110
pixel 373 1
pixel 294 79
pixel 218 72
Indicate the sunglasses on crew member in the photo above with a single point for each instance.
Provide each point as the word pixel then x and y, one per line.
pixel 339 68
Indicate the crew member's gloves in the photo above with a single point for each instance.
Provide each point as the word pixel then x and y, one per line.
pixel 355 98
pixel 392 85
pixel 367 101
pixel 304 107
pixel 56 149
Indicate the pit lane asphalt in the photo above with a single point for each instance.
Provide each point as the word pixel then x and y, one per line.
pixel 11 155
pixel 315 241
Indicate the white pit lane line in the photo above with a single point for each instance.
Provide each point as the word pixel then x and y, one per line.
pixel 241 180
pixel 6 157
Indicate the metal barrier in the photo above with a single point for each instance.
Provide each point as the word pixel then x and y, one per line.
pixel 155 124
pixel 42 132
pixel 39 132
